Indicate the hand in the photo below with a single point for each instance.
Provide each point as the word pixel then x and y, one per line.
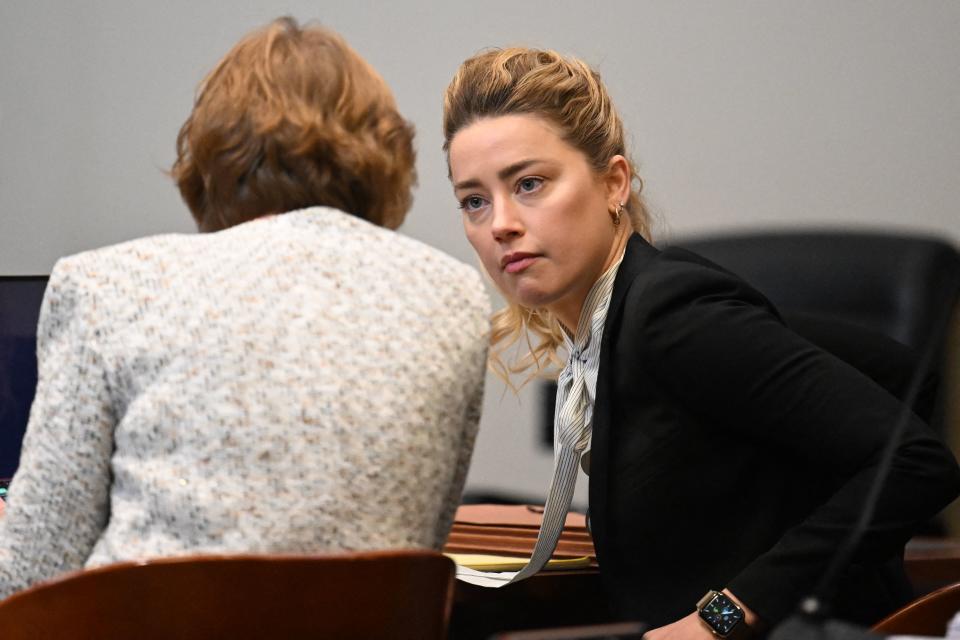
pixel 3 505
pixel 688 628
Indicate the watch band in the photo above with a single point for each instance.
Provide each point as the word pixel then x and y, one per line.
pixel 707 597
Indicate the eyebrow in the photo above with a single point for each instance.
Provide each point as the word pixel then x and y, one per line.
pixel 503 174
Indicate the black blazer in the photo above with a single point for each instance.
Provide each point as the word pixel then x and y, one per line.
pixel 727 451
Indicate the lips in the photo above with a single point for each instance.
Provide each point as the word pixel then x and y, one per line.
pixel 517 261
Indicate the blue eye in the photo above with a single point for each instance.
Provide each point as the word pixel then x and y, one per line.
pixel 529 184
pixel 471 203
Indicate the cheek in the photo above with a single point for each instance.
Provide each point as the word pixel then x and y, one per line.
pixel 484 249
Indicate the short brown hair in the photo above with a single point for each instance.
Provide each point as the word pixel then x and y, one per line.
pixel 290 118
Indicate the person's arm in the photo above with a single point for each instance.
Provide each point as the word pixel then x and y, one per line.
pixel 58 502
pixel 715 345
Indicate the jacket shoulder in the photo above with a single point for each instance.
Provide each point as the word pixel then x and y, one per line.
pixel 675 278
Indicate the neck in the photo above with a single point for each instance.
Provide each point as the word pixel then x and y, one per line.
pixel 569 314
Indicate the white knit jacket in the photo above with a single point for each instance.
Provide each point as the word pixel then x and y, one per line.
pixel 302 383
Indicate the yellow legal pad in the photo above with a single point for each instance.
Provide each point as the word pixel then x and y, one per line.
pixel 482 562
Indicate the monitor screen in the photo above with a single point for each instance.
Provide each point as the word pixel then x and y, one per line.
pixel 20 298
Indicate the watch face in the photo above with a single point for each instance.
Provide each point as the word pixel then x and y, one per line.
pixel 721 614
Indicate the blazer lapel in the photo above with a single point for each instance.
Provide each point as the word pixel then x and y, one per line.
pixel 637 254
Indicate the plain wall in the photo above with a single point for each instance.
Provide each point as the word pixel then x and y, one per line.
pixel 773 113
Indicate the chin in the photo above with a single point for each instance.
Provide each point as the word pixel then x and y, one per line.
pixel 533 298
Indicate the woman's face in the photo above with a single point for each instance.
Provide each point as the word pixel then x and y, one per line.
pixel 536 212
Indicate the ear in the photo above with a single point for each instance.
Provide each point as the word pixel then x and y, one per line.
pixel 617 180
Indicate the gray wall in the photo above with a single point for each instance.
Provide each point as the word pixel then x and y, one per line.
pixel 741 113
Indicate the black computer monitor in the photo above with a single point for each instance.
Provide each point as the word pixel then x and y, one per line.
pixel 20 298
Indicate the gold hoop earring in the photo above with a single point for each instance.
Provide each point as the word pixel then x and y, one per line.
pixel 615 214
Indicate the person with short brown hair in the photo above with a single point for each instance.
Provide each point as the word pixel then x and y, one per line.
pixel 299 379
pixel 292 118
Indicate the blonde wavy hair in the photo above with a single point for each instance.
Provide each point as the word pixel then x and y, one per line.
pixel 570 95
pixel 293 117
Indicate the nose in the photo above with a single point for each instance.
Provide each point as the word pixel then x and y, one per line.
pixel 506 223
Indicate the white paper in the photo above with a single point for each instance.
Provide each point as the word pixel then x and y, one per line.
pixel 491 579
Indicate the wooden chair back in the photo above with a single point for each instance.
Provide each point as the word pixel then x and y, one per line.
pixel 391 594
pixel 926 616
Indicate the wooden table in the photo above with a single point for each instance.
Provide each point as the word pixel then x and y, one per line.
pixel 548 599
pixel 932 563
pixel 575 597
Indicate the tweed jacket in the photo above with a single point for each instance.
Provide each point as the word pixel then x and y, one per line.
pixel 730 452
pixel 301 383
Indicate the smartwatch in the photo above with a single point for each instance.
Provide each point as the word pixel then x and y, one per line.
pixel 723 616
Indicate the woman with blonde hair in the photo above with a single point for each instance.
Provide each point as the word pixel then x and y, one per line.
pixel 297 379
pixel 701 419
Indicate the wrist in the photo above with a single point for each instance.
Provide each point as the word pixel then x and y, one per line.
pixel 749 617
